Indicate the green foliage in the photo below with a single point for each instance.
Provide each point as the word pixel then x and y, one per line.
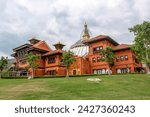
pixel 115 87
pixel 14 77
pixel 67 59
pixel 5 73
pixel 141 45
pixel 3 63
pixel 84 75
pixel 107 55
pixel 31 58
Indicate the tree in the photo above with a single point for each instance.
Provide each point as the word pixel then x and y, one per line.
pixel 108 56
pixel 141 45
pixel 31 58
pixel 67 60
pixel 3 64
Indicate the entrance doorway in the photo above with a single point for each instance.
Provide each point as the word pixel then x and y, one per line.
pixel 74 72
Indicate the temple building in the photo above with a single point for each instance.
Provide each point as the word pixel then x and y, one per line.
pixel 86 52
pixel 79 48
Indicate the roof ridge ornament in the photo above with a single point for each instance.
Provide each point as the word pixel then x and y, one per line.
pixel 59 45
pixel 85 34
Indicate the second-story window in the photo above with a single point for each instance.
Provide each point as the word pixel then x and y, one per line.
pixel 97 49
pixel 22 53
pixel 121 58
pixel 94 60
pixel 117 59
pixel 51 60
pixel 98 59
pixel 126 57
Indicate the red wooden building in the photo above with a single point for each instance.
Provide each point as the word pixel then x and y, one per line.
pixel 86 52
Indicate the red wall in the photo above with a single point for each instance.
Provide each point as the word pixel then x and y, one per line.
pixel 60 69
pixel 98 65
pixel 84 65
pixel 130 63
pixel 81 65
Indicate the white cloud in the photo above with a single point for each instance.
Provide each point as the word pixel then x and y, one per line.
pixel 62 20
pixel 143 8
pixel 3 54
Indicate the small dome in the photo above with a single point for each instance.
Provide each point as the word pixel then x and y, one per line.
pixel 79 48
pixel 77 44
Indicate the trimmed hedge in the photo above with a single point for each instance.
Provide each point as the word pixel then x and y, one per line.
pixel 36 77
pixel 17 77
pixel 49 76
pixel 69 76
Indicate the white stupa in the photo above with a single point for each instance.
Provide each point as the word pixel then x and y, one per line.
pixel 79 48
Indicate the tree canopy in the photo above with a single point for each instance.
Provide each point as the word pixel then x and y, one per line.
pixel 141 45
pixel 3 64
pixel 31 58
pixel 108 56
pixel 67 60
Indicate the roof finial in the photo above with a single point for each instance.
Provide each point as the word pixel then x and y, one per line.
pixel 59 45
pixel 86 34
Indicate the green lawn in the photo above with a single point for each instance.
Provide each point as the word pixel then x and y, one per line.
pixel 113 87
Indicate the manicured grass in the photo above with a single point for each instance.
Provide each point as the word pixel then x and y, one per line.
pixel 115 87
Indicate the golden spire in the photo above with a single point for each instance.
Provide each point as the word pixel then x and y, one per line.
pixel 86 34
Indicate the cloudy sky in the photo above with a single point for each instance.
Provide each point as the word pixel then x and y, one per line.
pixel 63 20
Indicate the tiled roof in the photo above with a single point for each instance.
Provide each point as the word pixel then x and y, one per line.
pixel 14 54
pixel 54 52
pixel 42 46
pixel 22 46
pixel 79 43
pixel 34 38
pixel 121 47
pixel 101 37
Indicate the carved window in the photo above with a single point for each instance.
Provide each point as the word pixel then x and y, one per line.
pixel 126 57
pixel 98 59
pixel 51 60
pixel 97 49
pixel 121 58
pixel 94 60
pixel 117 59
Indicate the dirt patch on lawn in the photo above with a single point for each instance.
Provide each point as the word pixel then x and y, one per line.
pixel 15 92
pixel 27 87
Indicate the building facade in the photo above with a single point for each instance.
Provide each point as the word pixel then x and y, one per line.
pixel 86 52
